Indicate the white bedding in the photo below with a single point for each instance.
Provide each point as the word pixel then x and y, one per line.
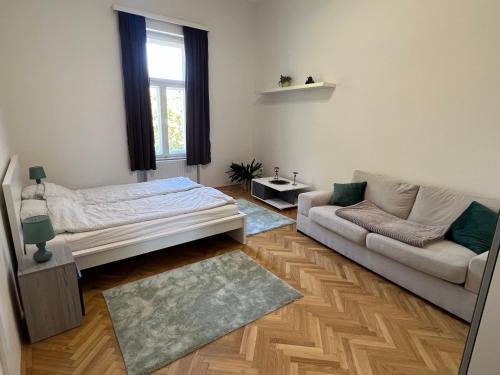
pixel 144 229
pixel 33 207
pixel 69 215
pixel 110 193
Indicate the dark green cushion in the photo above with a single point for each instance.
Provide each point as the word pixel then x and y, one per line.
pixel 348 194
pixel 475 228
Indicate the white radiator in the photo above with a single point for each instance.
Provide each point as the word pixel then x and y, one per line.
pixel 173 168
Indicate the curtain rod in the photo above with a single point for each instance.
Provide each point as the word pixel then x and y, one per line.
pixel 159 17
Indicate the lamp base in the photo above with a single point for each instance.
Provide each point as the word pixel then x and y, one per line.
pixel 42 254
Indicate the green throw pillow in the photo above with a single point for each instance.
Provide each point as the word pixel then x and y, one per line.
pixel 348 194
pixel 475 228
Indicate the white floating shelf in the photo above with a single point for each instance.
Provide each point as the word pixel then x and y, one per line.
pixel 317 85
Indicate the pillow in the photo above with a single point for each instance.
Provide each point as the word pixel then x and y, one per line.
pixel 348 194
pixel 33 192
pixel 33 207
pixel 438 206
pixel 391 195
pixel 54 190
pixel 67 215
pixel 475 228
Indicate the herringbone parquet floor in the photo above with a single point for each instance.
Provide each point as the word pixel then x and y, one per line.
pixel 350 321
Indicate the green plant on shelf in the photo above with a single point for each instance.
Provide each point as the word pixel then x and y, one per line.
pixel 285 81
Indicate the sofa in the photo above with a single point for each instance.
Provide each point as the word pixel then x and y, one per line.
pixel 444 273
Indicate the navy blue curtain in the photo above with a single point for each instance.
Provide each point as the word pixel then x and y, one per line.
pixel 140 133
pixel 197 100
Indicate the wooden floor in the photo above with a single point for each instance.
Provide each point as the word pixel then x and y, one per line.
pixel 350 321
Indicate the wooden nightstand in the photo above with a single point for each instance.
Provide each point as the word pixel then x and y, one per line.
pixel 50 293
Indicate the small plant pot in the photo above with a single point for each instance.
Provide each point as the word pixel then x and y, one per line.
pixel 285 84
pixel 246 185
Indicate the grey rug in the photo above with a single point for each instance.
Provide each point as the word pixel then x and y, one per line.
pixel 164 317
pixel 260 219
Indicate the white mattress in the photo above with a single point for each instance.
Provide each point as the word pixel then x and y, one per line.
pixel 87 240
pixel 70 216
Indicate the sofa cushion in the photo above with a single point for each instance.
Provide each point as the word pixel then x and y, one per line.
pixel 391 195
pixel 443 259
pixel 348 194
pixel 475 228
pixel 439 206
pixel 325 216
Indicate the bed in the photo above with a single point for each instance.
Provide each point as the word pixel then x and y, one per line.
pixel 108 244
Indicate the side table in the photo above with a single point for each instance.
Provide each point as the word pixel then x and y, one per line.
pixel 50 293
pixel 279 196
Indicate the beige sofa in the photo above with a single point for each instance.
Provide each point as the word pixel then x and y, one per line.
pixel 445 273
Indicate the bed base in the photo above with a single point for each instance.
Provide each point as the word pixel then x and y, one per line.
pixel 234 226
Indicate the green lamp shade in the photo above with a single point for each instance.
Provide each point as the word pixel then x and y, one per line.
pixel 37 229
pixel 37 173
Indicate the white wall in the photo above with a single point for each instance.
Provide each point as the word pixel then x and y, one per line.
pixel 417 96
pixel 61 67
pixel 10 343
pixel 417 88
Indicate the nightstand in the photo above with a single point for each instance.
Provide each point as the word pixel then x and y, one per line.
pixel 50 293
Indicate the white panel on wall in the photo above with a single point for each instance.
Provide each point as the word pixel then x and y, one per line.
pixel 173 168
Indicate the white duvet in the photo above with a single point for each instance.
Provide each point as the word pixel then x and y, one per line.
pixel 110 193
pixel 73 216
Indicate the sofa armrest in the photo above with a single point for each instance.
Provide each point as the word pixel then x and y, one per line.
pixel 312 199
pixel 475 272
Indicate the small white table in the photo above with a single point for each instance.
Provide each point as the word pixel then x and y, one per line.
pixel 279 196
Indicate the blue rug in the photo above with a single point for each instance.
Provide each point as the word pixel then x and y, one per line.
pixel 260 219
pixel 164 317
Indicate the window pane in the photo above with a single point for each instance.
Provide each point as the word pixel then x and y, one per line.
pixel 165 59
pixel 176 120
pixel 154 92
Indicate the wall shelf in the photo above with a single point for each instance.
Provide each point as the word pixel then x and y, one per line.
pixel 311 86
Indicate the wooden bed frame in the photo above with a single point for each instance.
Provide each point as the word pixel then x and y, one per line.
pixel 234 226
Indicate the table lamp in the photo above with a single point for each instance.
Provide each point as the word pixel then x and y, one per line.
pixel 38 230
pixel 37 173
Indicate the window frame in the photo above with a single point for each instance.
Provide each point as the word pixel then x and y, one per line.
pixel 163 85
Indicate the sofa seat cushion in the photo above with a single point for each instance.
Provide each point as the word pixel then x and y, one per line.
pixel 443 259
pixel 325 216
pixel 391 195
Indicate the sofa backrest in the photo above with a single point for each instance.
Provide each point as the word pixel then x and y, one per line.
pixel 439 206
pixel 391 195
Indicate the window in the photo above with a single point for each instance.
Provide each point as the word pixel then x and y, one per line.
pixel 166 66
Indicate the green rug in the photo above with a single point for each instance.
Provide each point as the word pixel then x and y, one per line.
pixel 164 317
pixel 260 219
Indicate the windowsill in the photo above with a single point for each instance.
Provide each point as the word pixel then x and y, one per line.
pixel 170 158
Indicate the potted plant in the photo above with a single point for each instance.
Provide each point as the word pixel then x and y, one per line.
pixel 285 81
pixel 244 174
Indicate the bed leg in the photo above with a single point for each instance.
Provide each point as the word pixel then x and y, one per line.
pixel 240 234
